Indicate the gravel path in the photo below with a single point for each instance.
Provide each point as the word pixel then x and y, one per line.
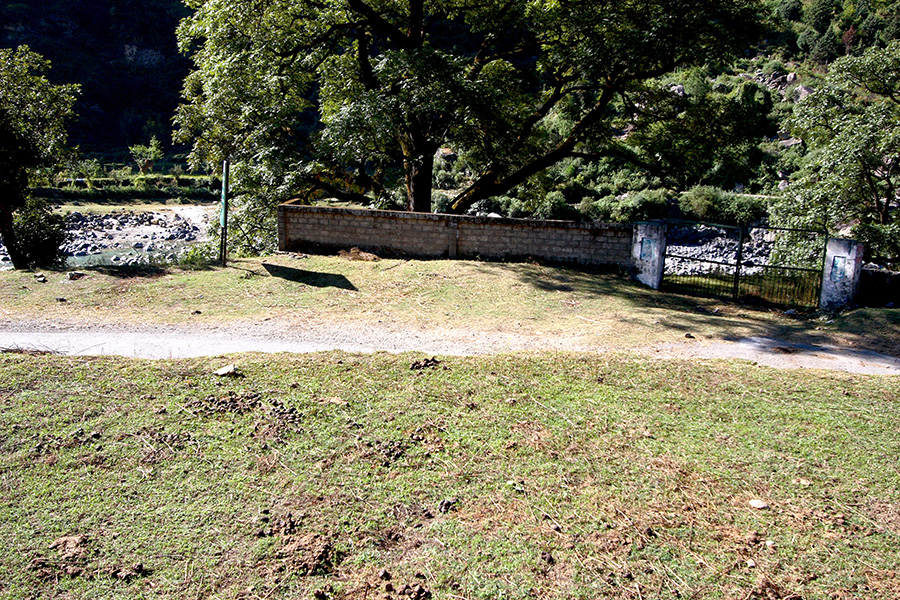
pixel 269 337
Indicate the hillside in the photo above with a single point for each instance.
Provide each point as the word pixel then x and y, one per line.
pixel 122 52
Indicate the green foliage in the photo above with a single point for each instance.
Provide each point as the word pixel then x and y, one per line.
pixel 554 206
pixel 691 130
pixel 711 204
pixel 818 14
pixel 198 255
pixel 33 114
pixel 37 109
pixel 146 156
pixel 851 125
pixel 121 175
pixel 41 234
pixel 514 88
pixel 790 10
pixel 643 205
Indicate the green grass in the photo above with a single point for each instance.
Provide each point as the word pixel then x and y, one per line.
pixel 574 476
pixel 586 309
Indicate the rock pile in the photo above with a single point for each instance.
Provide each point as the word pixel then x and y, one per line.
pixel 705 250
pixel 126 237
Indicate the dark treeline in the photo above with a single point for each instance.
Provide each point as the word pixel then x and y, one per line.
pixel 122 52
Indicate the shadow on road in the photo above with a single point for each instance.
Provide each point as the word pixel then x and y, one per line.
pixel 311 278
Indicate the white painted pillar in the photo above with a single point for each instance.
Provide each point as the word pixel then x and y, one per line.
pixel 840 277
pixel 648 252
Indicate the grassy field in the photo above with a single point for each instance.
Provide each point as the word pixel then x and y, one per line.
pixel 392 476
pixel 593 310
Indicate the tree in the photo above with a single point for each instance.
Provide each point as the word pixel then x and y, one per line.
pixel 340 97
pixel 852 127
pixel 33 114
pixel 146 156
pixel 701 132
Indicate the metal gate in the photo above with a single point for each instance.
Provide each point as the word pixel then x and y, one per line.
pixel 767 265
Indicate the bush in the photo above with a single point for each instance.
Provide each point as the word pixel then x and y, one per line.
pixel 440 202
pixel 707 203
pixel 445 180
pixel 882 242
pixel 597 209
pixel 41 234
pixel 199 255
pixel 554 206
pixel 494 204
pixel 644 205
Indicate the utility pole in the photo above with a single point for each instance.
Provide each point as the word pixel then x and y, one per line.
pixel 223 217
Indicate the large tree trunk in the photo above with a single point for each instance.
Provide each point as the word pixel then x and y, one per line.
pixel 8 234
pixel 419 167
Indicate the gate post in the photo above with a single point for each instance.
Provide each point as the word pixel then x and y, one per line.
pixel 840 275
pixel 648 252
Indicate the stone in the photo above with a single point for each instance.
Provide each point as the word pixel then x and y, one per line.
pixel 803 91
pixel 227 371
pixel 759 504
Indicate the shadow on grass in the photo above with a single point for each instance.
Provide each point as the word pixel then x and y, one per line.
pixel 877 330
pixel 127 271
pixel 311 278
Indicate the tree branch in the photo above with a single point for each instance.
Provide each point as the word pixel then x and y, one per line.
pixel 381 25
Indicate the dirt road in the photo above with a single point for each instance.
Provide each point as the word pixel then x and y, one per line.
pixel 162 342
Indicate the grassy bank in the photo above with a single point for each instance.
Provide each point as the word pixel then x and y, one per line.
pixel 588 309
pixel 562 476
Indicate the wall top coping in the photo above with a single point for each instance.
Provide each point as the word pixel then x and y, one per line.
pixel 293 206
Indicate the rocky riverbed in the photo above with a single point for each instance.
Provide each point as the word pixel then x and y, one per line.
pixel 701 250
pixel 126 237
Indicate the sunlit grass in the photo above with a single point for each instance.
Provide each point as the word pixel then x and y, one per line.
pixel 554 476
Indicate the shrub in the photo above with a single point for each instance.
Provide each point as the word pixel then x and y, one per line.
pixel 199 255
pixel 790 10
pixel 644 205
pixel 440 202
pixel 121 176
pixel 707 203
pixel 882 242
pixel 444 180
pixel 554 206
pixel 597 209
pixel 41 234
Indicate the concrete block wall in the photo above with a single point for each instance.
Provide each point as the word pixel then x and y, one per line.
pixel 425 235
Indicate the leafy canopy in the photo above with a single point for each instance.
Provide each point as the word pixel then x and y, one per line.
pixel 33 116
pixel 852 178
pixel 351 97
